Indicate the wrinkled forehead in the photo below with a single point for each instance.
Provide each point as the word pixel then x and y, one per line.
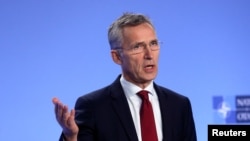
pixel 140 33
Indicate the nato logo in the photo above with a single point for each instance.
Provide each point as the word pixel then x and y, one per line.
pixel 231 109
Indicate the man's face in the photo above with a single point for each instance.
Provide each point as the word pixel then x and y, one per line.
pixel 142 67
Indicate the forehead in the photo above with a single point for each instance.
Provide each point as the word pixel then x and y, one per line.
pixel 140 33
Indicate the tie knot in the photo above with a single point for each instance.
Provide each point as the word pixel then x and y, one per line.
pixel 143 94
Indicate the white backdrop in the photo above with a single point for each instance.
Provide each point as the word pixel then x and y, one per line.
pixel 59 48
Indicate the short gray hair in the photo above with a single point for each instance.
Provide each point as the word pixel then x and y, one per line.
pixel 115 30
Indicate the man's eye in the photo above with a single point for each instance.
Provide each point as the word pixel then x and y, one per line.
pixel 137 46
pixel 154 43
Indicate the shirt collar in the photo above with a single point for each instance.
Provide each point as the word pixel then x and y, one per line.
pixel 131 89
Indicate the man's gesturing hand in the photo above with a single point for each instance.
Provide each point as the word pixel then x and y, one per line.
pixel 66 120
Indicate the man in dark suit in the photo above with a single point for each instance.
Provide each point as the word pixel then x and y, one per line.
pixel 113 113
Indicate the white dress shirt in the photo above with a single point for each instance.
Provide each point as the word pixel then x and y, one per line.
pixel 134 102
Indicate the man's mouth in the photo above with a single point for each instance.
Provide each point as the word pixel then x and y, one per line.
pixel 149 66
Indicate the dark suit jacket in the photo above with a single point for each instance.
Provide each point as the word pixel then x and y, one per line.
pixel 104 115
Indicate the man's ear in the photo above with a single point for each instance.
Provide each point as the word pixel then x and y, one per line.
pixel 116 56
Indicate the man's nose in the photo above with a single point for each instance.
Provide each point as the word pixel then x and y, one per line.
pixel 148 52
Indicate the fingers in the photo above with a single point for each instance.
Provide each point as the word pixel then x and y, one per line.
pixel 55 100
pixel 61 112
pixel 71 120
pixel 64 115
pixel 58 108
pixel 65 118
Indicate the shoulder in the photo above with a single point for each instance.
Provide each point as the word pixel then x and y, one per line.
pixel 102 93
pixel 101 96
pixel 173 102
pixel 95 95
pixel 170 95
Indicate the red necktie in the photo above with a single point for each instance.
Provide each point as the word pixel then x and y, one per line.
pixel 148 129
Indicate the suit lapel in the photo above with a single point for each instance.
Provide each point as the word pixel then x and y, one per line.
pixel 165 112
pixel 121 108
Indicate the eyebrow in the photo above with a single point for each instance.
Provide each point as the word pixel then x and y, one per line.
pixel 138 43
